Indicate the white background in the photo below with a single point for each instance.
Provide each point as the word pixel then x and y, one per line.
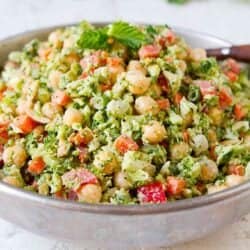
pixel 228 19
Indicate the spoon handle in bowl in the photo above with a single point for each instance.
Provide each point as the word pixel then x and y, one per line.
pixel 240 53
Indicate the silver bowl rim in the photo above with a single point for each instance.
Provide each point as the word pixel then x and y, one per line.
pixel 120 210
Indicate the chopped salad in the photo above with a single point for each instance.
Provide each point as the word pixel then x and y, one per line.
pixel 122 114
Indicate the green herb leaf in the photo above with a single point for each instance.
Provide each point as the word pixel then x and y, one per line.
pixel 126 34
pixel 93 39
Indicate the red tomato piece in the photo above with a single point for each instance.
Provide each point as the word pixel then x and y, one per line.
pixel 225 98
pixel 36 166
pixel 237 170
pixel 232 65
pixel 61 98
pixel 124 143
pixel 239 113
pixel 78 177
pixel 231 76
pixel 163 82
pixel 150 50
pixel 206 87
pixel 152 193
pixel 175 185
pixel 163 104
pixel 25 123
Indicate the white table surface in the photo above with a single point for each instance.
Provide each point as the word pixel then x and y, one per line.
pixel 225 18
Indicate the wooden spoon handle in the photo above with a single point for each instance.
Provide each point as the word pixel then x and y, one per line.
pixel 240 53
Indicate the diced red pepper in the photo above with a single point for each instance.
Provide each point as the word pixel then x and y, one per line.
pixel 171 37
pixel 167 39
pixel 61 98
pixel 150 50
pixel 25 123
pixel 175 185
pixel 83 154
pixel 4 136
pixel 114 61
pixel 163 104
pixel 152 193
pixel 124 143
pixel 177 98
pixel 236 169
pixel 81 138
pixel 206 87
pixel 225 98
pixel 231 69
pixel 239 113
pixel 212 152
pixel 185 135
pixel 36 166
pixel 105 87
pixel 59 195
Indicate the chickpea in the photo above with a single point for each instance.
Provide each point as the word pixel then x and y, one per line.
pixel 229 142
pixel 154 133
pixel 38 130
pixel 138 83
pixel 145 105
pixel 63 148
pixel 90 193
pixel 4 119
pixel 187 120
pixel 13 181
pixel 71 58
pixel 216 188
pixel 51 110
pixel 55 38
pixel 136 65
pixel 114 71
pixel 43 189
pixel 179 151
pixel 197 54
pixel 150 169
pixel 209 170
pixel 247 139
pixel 72 116
pixel 121 180
pixel 107 161
pixel 54 79
pixel 211 136
pixel 182 65
pixel 200 144
pixel 68 42
pixel 15 155
pixel 22 106
pixel 233 180
pixel 216 116
pixel 155 91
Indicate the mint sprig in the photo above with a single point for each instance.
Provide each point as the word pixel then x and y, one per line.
pixel 123 32
pixel 93 39
pixel 126 34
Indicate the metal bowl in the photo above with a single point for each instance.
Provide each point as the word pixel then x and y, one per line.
pixel 118 226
